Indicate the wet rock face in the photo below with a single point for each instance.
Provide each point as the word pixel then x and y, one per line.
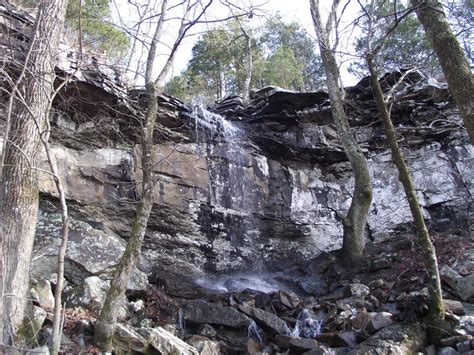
pixel 215 212
pixel 268 184
pixel 223 205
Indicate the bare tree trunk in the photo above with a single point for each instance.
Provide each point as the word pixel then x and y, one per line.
pixel 355 221
pixel 19 185
pixel 436 312
pixel 57 319
pixel 248 74
pixel 106 323
pixel 220 86
pixel 455 66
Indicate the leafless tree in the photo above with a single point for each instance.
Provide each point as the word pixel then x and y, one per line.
pixel 27 114
pixel 193 13
pixel 355 221
pixel 436 312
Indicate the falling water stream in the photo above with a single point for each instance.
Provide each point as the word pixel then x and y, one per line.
pixel 231 195
pixel 230 187
pixel 307 325
pixel 181 323
pixel 254 332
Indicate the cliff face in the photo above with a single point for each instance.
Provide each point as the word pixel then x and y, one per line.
pixel 247 193
pixel 258 186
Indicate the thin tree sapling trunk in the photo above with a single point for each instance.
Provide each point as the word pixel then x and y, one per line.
pixel 436 308
pixel 248 73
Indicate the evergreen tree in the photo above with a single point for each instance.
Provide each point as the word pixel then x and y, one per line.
pixel 99 33
pixel 406 47
pixel 282 55
pixel 94 19
pixel 283 69
pixel 277 34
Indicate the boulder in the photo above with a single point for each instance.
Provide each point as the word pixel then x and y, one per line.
pixel 465 346
pixel 320 350
pixel 128 339
pixel 462 285
pixel 171 328
pixel 289 299
pixel 167 343
pixel 204 345
pixel 360 320
pixel 43 350
pixel 382 263
pixel 379 320
pixel 39 316
pixel 465 325
pixel 314 284
pixel 200 311
pixel 452 341
pixel 178 285
pixel 91 295
pixel 356 289
pixel 43 293
pixel 266 320
pixel 397 339
pixel 447 351
pixel 90 252
pixel 295 343
pixel 336 294
pixel 353 302
pixel 377 283
pixel 232 339
pixel 455 307
pixel 207 330
pixel 430 350
pixel 338 339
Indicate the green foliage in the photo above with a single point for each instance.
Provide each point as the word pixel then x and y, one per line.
pixel 277 33
pixel 283 69
pixel 212 62
pixel 407 46
pixel 282 55
pixel 99 33
pixel 94 18
pixel 177 86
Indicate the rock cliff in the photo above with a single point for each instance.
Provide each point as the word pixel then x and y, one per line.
pixel 238 187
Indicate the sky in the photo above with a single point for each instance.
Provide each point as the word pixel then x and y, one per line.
pixel 290 10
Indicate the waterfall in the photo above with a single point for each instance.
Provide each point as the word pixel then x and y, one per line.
pixel 307 325
pixel 223 146
pixel 181 323
pixel 254 332
pixel 208 122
